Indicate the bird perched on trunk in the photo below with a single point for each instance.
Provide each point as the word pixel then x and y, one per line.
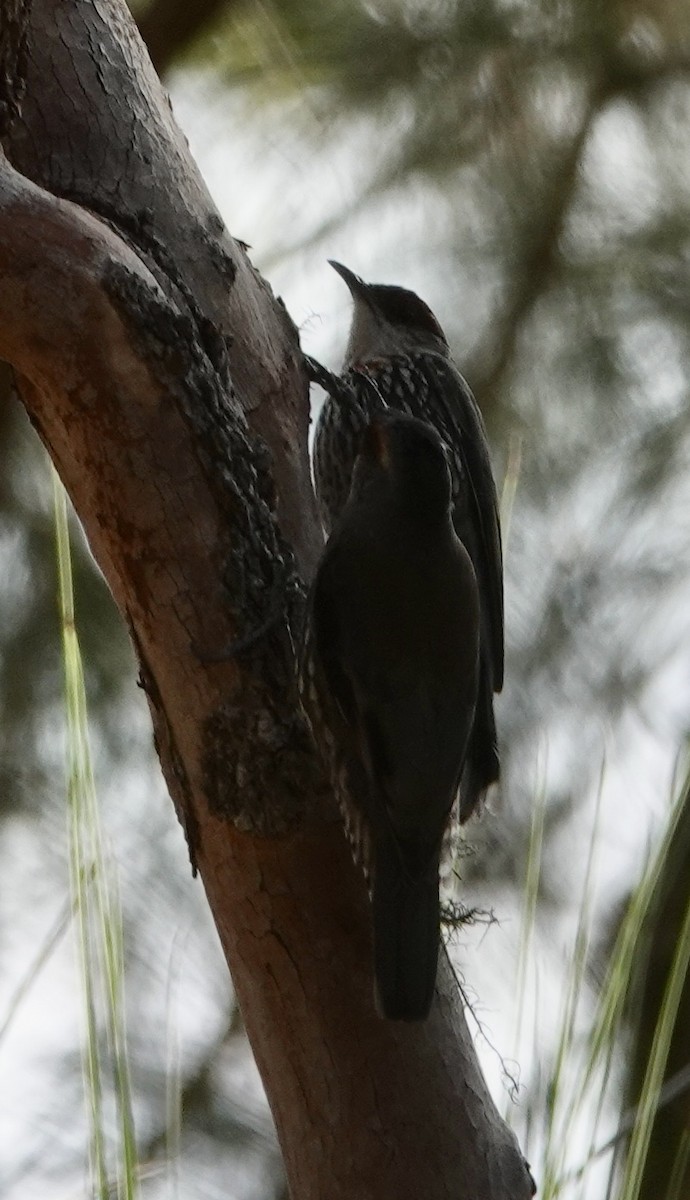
pixel 389 680
pixel 397 356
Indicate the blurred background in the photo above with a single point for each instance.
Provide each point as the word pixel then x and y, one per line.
pixel 525 167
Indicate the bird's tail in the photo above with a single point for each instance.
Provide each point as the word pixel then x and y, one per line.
pixel 406 934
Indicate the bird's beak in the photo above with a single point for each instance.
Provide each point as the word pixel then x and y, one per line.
pixel 356 285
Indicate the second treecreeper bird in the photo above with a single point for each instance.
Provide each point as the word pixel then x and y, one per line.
pixel 398 357
pixel 390 673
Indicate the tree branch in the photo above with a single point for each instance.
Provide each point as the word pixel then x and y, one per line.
pixel 166 383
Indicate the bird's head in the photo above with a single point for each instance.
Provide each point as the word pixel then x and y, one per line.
pixel 405 459
pixel 388 320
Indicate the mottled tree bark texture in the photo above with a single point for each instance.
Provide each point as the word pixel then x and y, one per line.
pixel 166 383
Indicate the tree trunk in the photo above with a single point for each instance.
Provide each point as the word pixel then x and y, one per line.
pixel 166 383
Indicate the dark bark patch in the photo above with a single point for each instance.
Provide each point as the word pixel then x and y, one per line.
pixel 259 769
pixel 13 62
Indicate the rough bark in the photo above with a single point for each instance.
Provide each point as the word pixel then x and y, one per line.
pixel 166 382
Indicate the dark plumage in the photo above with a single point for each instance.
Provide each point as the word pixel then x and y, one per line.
pixel 390 681
pixel 398 357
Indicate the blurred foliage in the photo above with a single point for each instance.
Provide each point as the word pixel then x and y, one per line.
pixel 648 983
pixel 526 166
pixel 31 681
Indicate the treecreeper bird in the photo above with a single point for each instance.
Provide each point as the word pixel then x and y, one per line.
pixel 390 667
pixel 398 357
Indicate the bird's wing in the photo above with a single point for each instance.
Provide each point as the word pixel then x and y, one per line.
pixel 465 433
pixel 405 716
pixel 326 636
pixel 349 712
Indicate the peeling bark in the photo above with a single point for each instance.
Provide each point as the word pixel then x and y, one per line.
pixel 166 382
